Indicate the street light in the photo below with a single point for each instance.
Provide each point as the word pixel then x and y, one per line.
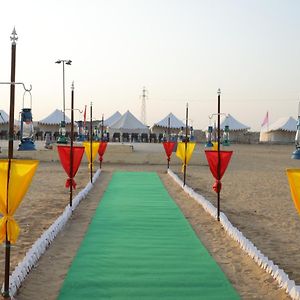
pixel 62 130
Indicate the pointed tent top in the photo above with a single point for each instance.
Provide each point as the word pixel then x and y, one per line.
pixel 55 118
pixel 285 124
pixel 174 122
pixel 233 124
pixel 3 116
pixel 128 121
pixel 112 119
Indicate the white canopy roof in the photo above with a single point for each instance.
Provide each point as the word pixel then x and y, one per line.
pixel 174 122
pixel 3 116
pixel 112 119
pixel 284 123
pixel 129 123
pixel 232 123
pixel 55 118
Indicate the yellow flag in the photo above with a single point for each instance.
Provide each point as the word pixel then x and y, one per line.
pixel 294 181
pixel 21 173
pixel 185 153
pixel 87 147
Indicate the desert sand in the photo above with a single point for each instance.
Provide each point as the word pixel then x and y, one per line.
pixel 255 197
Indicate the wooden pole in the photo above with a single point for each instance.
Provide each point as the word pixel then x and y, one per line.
pixel 219 160
pixel 71 146
pixel 91 141
pixel 10 155
pixel 185 143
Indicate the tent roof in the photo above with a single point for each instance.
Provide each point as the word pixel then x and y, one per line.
pixel 128 121
pixel 55 118
pixel 233 123
pixel 174 122
pixel 112 119
pixel 284 123
pixel 3 116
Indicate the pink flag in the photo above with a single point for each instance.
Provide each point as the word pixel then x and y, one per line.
pixel 84 117
pixel 266 120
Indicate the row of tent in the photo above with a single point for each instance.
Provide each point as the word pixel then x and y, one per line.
pixel 283 130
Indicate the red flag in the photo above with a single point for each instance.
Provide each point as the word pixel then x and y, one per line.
pixel 64 156
pixel 101 150
pixel 169 146
pixel 212 158
pixel 266 120
pixel 84 117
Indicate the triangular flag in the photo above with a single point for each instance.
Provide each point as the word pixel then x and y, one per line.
pixel 87 146
pixel 64 156
pixel 294 181
pixel 184 152
pixel 21 173
pixel 169 146
pixel 101 150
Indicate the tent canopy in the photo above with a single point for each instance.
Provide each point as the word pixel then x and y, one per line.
pixel 112 119
pixel 55 118
pixel 174 122
pixel 128 123
pixel 3 116
pixel 233 124
pixel 285 124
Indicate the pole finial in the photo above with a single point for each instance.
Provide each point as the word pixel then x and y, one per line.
pixel 72 86
pixel 219 91
pixel 14 36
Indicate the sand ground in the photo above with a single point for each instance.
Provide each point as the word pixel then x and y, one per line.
pixel 255 197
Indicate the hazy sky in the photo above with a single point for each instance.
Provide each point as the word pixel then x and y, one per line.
pixel 181 51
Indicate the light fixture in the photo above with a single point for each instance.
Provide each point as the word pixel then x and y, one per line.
pixel 208 137
pixel 226 136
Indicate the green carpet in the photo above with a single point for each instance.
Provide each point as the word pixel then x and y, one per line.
pixel 139 246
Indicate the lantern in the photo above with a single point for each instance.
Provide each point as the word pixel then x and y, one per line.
pixel 226 136
pixel 27 130
pixel 62 139
pixel 80 131
pixel 296 153
pixel 208 137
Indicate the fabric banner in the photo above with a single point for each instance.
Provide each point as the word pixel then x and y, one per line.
pixel 87 147
pixel 101 150
pixel 184 152
pixel 169 146
pixel 294 181
pixel 21 173
pixel 64 156
pixel 212 158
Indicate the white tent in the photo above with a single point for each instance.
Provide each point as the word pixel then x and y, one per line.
pixel 112 119
pixel 281 131
pixel 174 122
pixel 233 124
pixel 127 125
pixel 55 118
pixel 3 116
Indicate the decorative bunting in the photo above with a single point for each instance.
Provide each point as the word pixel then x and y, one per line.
pixel 294 181
pixel 64 156
pixel 21 173
pixel 184 152
pixel 212 158
pixel 101 150
pixel 95 147
pixel 169 146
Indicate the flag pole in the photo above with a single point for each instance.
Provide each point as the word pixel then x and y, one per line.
pixel 71 145
pixel 91 141
pixel 219 160
pixel 185 142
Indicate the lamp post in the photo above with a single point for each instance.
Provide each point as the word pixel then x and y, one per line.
pixel 62 130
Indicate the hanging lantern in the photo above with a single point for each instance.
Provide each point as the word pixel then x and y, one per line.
pixel 296 153
pixel 208 137
pixel 27 130
pixel 226 136
pixel 62 139
pixel 96 134
pixel 80 131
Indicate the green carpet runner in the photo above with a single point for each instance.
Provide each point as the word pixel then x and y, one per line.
pixel 139 246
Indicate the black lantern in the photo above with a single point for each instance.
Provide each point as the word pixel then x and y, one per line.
pixel 208 137
pixel 226 136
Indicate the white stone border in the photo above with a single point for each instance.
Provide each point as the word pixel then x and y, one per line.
pixel 42 243
pixel 268 265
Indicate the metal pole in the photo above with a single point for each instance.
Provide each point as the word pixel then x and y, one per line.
pixel 91 140
pixel 14 38
pixel 185 145
pixel 168 140
pixel 219 160
pixel 64 107
pixel 102 126
pixel 71 146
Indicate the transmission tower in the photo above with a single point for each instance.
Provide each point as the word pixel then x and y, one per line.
pixel 143 111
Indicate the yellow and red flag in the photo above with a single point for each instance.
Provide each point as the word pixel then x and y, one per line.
pixel 294 181
pixel 12 193
pixel 184 152
pixel 87 147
